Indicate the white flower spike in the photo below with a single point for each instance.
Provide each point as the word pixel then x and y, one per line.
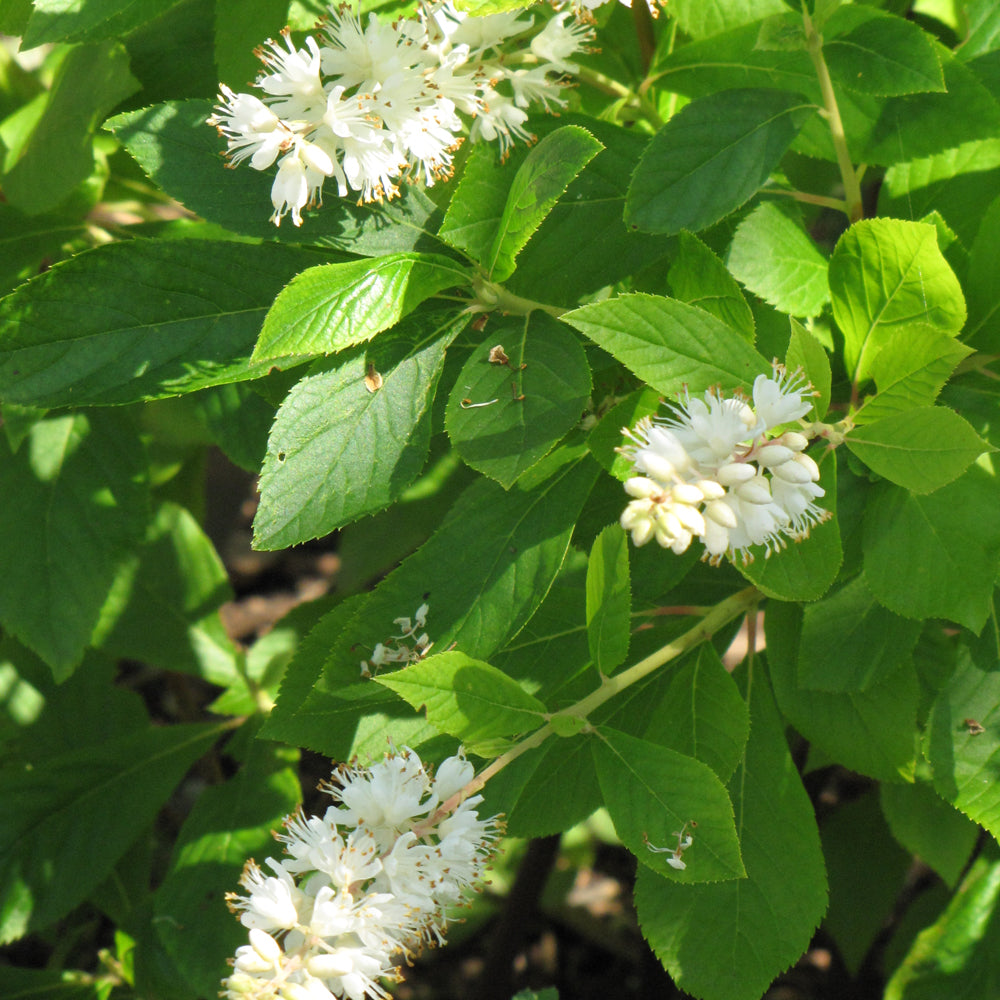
pixel 373 104
pixel 710 471
pixel 371 881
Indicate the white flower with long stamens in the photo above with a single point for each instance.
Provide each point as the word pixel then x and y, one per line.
pixel 398 648
pixel 374 104
pixel 558 41
pixel 369 883
pixel 293 83
pixel 710 471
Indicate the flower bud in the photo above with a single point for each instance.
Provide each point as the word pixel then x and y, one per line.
pixel 654 465
pixel 642 487
pixel 690 518
pixel 796 472
pixel 735 473
pixel 771 455
pixel 241 984
pixel 453 774
pixel 754 491
pixel 710 489
pixel 637 519
pixel 316 157
pixel 721 513
pixel 794 440
pixel 326 966
pixel 265 945
pixel 686 493
pixel 667 525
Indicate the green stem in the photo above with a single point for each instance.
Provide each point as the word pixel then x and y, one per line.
pixel 838 204
pixel 719 615
pixel 490 296
pixel 831 111
pixel 722 613
pixel 637 102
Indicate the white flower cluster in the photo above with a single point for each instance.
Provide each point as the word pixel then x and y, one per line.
pixel 370 881
pixel 373 103
pixel 711 472
pixel 397 648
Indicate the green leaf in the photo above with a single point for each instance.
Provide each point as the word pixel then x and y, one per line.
pixel 956 182
pixel 548 790
pixel 783 33
pixel 531 402
pixel 935 556
pixel 174 146
pixel 772 255
pixel 515 539
pixel 805 352
pixel 870 731
pixel 476 207
pixel 609 600
pixel 727 941
pixel 983 285
pixel 552 652
pixel 238 32
pixel 910 371
pixel 805 569
pixel 142 319
pixel 957 955
pixel 711 157
pixel 74 505
pixel 652 792
pixel 669 344
pixel 928 826
pixel 864 884
pixel 305 667
pixel 229 823
pixel 850 642
pixel 541 179
pixel 703 714
pixel 962 741
pixel 164 609
pixel 731 60
pixel 339 450
pixel 886 274
pixel 704 18
pixel 698 277
pixel 28 243
pixel 588 218
pixel 876 53
pixel 984 29
pixel 921 449
pixel 896 129
pixel 56 841
pixel 42 168
pixel 466 698
pixel 88 20
pixel 334 306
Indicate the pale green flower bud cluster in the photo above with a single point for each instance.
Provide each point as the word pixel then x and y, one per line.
pixel 712 472
pixel 373 104
pixel 370 882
